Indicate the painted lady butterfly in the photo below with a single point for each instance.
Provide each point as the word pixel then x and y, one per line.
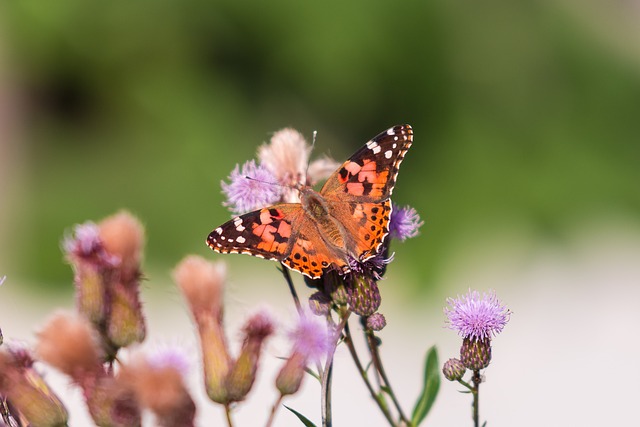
pixel 347 218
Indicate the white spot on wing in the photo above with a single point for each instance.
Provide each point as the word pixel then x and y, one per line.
pixel 390 132
pixel 219 230
pixel 388 154
pixel 240 239
pixel 376 149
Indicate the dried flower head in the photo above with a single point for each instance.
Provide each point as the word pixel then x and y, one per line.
pixel 68 343
pixel 85 244
pixel 123 236
pixel 202 284
pixel 321 169
pixel 286 156
pixel 404 222
pixel 476 316
pixel 158 384
pixel 250 188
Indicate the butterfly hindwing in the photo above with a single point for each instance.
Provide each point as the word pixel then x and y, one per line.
pixel 370 174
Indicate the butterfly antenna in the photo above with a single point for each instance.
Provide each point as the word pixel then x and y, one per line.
pixel 313 145
pixel 250 178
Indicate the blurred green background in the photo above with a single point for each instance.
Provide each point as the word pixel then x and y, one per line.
pixel 526 116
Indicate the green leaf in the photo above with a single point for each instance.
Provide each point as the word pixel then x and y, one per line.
pixel 430 387
pixel 301 417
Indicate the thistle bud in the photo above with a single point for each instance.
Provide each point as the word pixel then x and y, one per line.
pixel 475 354
pixel 376 322
pixel 363 295
pixel 319 304
pixel 291 375
pixel 201 282
pixel 453 370
pixel 27 391
pixel 243 372
pixel 123 237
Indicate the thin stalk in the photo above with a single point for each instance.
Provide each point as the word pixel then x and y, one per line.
pixel 227 410
pixel 377 363
pixel 476 395
pixel 292 289
pixel 274 409
pixel 328 368
pixel 365 377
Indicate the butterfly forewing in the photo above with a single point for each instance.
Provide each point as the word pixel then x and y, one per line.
pixel 370 174
pixel 264 233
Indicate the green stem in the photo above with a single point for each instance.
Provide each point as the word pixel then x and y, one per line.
pixel 377 363
pixel 292 289
pixel 275 408
pixel 227 410
pixel 363 374
pixel 476 395
pixel 328 369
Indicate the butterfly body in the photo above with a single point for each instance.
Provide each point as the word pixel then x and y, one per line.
pixel 348 219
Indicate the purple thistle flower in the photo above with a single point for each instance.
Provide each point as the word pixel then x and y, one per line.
pixel 404 223
pixel 250 188
pixel 475 316
pixel 310 337
pixel 169 357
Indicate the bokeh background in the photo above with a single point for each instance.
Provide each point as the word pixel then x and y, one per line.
pixel 525 168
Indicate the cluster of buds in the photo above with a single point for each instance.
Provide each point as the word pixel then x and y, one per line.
pixel 477 318
pixel 106 260
pixel 226 379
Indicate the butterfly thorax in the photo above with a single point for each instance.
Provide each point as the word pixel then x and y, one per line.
pixel 317 208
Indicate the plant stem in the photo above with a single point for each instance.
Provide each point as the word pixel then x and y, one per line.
pixel 363 374
pixel 275 408
pixel 377 363
pixel 328 369
pixel 292 289
pixel 476 394
pixel 227 410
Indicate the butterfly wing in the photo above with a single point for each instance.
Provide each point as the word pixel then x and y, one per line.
pixel 282 232
pixel 360 190
pixel 370 174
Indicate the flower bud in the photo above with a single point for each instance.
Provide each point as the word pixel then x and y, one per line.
pixel 319 304
pixel 27 391
pixel 453 370
pixel 123 237
pixel 376 322
pixel 363 295
pixel 291 375
pixel 201 282
pixel 243 372
pixel 475 354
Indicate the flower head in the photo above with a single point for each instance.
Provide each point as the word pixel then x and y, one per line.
pixel 310 337
pixel 476 316
pixel 250 188
pixel 404 223
pixel 86 244
pixel 286 156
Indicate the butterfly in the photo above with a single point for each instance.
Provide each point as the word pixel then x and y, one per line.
pixel 348 219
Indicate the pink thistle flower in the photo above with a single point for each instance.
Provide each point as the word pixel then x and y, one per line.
pixel 310 338
pixel 476 317
pixel 250 188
